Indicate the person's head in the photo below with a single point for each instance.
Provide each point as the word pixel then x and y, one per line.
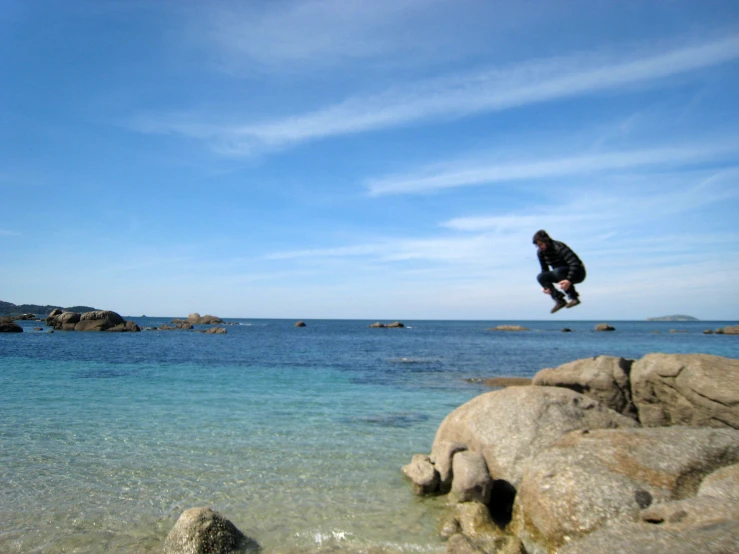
pixel 542 239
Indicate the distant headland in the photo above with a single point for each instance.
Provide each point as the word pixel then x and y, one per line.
pixel 674 318
pixel 8 308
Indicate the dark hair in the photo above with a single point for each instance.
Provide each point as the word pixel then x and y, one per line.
pixel 542 236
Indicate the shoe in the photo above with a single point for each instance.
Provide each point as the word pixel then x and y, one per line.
pixel 559 305
pixel 572 303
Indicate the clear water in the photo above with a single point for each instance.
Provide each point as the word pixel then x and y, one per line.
pixel 295 434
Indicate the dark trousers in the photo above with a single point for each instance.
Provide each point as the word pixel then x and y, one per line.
pixel 547 280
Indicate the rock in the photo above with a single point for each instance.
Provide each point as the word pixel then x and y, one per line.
pixel 567 330
pixel 507 381
pixel 68 318
pixel 204 531
pixel 730 330
pixel 300 324
pixel 604 378
pixel 38 328
pixel 475 531
pixel 109 316
pixel 723 483
pixel 692 512
pixel 9 326
pixel 377 325
pixel 686 389
pixel 98 320
pixel 395 325
pixel 708 332
pixel 210 320
pixel 508 328
pixel 194 318
pixel 215 331
pixel 587 479
pixel 512 425
pixel 127 327
pixel 644 538
pixel 422 474
pixel 51 317
pixel 604 327
pixel 442 454
pixel 472 480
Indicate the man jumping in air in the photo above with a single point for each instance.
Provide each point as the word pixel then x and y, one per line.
pixel 567 270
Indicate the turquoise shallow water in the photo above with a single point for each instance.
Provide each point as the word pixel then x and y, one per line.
pixel 295 434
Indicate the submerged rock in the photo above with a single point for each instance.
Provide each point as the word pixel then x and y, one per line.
pixel 204 531
pixel 509 328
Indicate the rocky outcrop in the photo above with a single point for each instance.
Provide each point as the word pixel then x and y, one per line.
pixel 510 426
pixel 300 324
pixel 567 473
pixel 7 325
pixel 214 331
pixel 686 389
pixel 604 327
pixel 394 324
pixel 509 328
pixel 590 478
pixel 729 330
pixel 204 531
pixel 197 319
pixel 97 320
pixel 605 378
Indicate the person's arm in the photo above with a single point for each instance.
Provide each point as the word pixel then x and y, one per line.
pixel 571 259
pixel 542 262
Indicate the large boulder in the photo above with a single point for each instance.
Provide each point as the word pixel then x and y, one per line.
pixel 622 538
pixel 422 474
pixel 686 389
pixel 472 481
pixel 51 317
pixel 470 530
pixel 590 478
pixel 7 325
pixel 126 327
pixel 717 500
pixel 210 320
pixel 512 425
pixel 604 327
pixel 98 320
pixel 204 531
pixel 605 378
pixel 196 319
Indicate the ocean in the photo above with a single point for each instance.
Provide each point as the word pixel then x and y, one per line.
pixel 297 435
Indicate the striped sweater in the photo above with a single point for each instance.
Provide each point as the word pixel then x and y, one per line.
pixel 558 254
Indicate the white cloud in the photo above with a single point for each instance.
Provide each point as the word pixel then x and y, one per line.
pixel 452 97
pixel 312 31
pixel 533 169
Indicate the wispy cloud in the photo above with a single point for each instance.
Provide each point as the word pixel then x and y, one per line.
pixel 6 233
pixel 598 220
pixel 450 97
pixel 664 158
pixel 319 32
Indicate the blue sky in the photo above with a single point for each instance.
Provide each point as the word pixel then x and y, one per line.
pixel 375 160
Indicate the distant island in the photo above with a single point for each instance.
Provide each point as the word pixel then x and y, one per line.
pixel 8 308
pixel 674 318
